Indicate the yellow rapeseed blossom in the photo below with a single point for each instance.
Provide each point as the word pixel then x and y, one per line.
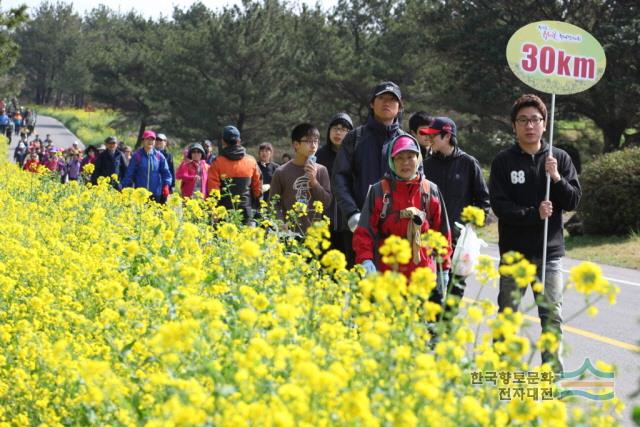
pixel 522 271
pixel 435 242
pixel 548 341
pixel 472 215
pixel 334 260
pixel 126 312
pixel 395 250
pixel 587 278
pixel 486 270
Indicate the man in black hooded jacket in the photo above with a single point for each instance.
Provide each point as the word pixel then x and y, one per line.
pixel 341 236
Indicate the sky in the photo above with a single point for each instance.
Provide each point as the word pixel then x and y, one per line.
pixel 148 8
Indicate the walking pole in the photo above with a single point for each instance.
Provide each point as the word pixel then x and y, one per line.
pixel 547 196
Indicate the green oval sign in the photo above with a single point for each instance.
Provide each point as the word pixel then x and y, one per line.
pixel 556 57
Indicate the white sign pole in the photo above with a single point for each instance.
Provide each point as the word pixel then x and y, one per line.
pixel 548 193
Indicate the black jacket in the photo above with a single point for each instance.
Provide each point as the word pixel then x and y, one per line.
pixel 267 170
pixel 356 168
pixel 460 181
pixel 167 155
pixel 326 156
pixel 517 186
pixel 107 165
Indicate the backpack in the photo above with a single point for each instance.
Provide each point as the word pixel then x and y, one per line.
pixel 138 156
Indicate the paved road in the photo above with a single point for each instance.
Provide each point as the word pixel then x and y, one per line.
pixel 61 136
pixel 613 336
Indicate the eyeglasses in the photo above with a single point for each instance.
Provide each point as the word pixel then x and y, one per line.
pixel 340 129
pixel 535 120
pixel 311 141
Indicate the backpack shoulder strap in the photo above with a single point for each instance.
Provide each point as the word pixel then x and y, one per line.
pixel 386 197
pixel 425 195
pixel 358 138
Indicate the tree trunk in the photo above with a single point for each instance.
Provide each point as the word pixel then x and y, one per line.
pixel 241 119
pixel 39 96
pixel 143 127
pixel 47 96
pixel 612 132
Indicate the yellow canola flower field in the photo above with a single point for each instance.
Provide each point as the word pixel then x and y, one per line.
pixel 117 311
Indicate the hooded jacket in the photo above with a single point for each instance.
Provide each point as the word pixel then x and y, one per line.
pixel 357 168
pixel 374 227
pixel 460 180
pixel 244 179
pixel 517 186
pixel 148 170
pixel 326 156
pixel 372 230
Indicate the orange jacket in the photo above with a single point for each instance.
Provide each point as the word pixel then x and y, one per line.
pixel 246 168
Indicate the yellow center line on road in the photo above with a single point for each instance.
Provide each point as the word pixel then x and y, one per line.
pixel 583 333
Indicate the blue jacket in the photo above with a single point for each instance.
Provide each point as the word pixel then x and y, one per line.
pixel 150 171
pixel 356 168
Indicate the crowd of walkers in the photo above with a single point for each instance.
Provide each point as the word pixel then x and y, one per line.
pixel 16 120
pixel 374 181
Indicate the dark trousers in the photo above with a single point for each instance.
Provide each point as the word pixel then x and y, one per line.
pixel 342 240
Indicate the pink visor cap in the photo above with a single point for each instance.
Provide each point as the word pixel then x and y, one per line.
pixel 404 143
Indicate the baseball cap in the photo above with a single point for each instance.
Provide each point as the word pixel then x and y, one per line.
pixel 387 87
pixel 439 124
pixel 230 134
pixel 404 143
pixel 110 139
pixel 161 136
pixel 149 134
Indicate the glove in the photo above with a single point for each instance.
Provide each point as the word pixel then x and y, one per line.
pixel 368 265
pixel 165 191
pixel 266 188
pixel 353 221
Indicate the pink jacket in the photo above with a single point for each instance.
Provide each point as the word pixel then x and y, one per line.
pixel 188 172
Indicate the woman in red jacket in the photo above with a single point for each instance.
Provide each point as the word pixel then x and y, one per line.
pixel 193 172
pixel 32 163
pixel 404 203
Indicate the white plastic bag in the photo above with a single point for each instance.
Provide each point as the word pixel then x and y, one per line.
pixel 465 256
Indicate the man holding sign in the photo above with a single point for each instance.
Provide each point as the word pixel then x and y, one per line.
pixel 517 188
